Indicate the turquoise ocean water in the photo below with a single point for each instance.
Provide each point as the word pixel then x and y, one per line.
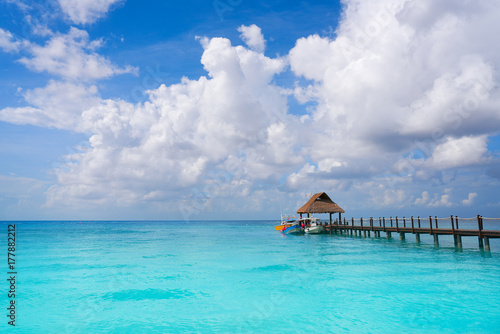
pixel 243 277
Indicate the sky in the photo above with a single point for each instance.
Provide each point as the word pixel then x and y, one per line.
pixel 236 109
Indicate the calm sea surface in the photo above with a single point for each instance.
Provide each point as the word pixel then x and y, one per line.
pixel 243 277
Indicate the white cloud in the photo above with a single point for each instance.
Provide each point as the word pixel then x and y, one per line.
pixel 423 200
pixel 234 122
pixel 252 36
pixel 72 56
pixel 86 11
pixel 59 105
pixel 441 201
pixel 19 4
pixel 397 77
pixel 458 152
pixel 8 42
pixel 469 199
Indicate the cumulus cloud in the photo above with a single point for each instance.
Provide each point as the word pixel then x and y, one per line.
pixel 442 201
pixel 252 36
pixel 235 121
pixel 422 200
pixel 460 152
pixel 469 199
pixel 72 56
pixel 86 11
pixel 400 78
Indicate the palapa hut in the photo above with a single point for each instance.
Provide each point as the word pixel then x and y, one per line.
pixel 320 203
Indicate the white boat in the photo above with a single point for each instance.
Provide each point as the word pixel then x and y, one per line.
pixel 311 225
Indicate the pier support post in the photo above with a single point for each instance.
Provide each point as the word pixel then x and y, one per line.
pixel 388 235
pixel 459 241
pixel 368 234
pixel 401 236
pixel 364 234
pixel 480 227
pixel 436 240
pixel 486 244
pixel 417 237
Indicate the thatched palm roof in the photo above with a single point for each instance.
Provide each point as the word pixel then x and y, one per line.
pixel 320 203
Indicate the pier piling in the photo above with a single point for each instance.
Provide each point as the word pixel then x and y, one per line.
pixel 486 243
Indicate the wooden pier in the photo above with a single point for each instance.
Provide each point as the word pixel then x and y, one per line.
pixel 431 226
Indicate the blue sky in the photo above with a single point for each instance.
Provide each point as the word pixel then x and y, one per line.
pixel 233 109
